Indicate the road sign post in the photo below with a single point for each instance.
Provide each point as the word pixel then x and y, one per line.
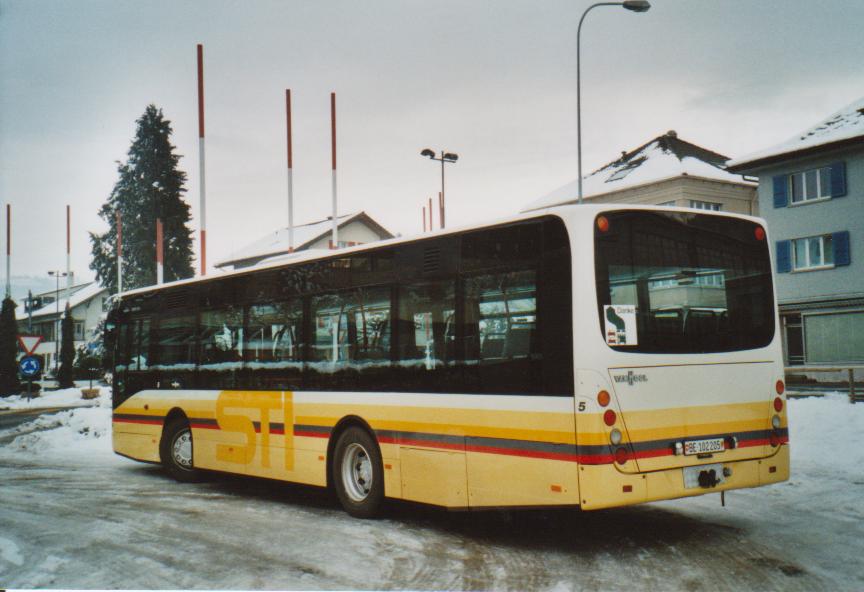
pixel 29 367
pixel 26 365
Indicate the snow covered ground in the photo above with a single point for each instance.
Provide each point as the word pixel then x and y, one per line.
pixel 73 514
pixel 70 397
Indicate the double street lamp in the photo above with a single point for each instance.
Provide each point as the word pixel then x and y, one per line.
pixel 633 5
pixel 444 158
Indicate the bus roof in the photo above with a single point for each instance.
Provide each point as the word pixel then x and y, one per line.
pixel 565 212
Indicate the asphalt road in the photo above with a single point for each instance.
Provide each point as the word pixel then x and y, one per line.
pixel 112 523
pixel 14 418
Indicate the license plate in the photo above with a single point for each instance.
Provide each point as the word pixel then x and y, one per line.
pixel 704 446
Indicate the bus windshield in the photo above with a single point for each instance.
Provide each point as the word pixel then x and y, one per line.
pixel 679 282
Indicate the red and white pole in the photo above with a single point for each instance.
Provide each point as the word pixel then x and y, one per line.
pixel 335 233
pixel 119 222
pixel 68 252
pixel 8 251
pixel 290 172
pixel 201 184
pixel 160 257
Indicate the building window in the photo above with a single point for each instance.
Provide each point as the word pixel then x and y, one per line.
pixel 794 340
pixel 810 185
pixel 668 204
pixel 836 338
pixel 813 252
pixel 78 330
pixel 705 205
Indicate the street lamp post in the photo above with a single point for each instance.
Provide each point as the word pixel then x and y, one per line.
pixel 444 158
pixel 57 274
pixel 635 6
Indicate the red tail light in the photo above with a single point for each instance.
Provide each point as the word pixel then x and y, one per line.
pixel 609 417
pixel 778 404
pixel 621 455
pixel 781 388
pixel 760 233
pixel 602 223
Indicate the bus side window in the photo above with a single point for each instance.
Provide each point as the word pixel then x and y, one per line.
pixel 273 345
pixel 220 347
pixel 501 352
pixel 174 350
pixel 426 340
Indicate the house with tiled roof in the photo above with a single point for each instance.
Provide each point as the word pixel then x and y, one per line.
pixel 811 192
pixel 354 229
pixel 664 171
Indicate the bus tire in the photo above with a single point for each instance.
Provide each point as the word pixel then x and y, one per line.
pixel 175 450
pixel 358 473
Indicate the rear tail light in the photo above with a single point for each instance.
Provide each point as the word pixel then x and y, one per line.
pixel 602 223
pixel 615 437
pixel 760 233
pixel 603 398
pixel 609 417
pixel 621 455
pixel 781 388
pixel 778 404
pixel 775 421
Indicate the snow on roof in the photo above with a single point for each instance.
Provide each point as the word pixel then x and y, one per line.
pixel 664 157
pixel 80 294
pixel 276 243
pixel 845 124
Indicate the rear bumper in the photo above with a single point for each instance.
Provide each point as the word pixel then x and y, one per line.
pixel 602 486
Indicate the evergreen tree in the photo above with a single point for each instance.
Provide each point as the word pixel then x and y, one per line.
pixel 150 187
pixel 8 350
pixel 65 376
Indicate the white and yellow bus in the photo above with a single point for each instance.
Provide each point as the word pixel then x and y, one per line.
pixel 591 356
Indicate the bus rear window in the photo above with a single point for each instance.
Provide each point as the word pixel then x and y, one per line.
pixel 676 282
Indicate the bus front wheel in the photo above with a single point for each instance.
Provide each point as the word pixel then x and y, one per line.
pixel 176 452
pixel 358 473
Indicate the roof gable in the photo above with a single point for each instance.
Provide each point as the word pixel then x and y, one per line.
pixel 844 126
pixel 664 157
pixel 277 243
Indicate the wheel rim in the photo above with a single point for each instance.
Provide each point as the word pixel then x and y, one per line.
pixel 357 472
pixel 181 450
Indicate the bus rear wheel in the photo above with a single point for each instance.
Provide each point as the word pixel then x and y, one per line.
pixel 176 452
pixel 358 473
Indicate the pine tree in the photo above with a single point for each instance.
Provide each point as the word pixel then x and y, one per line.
pixel 150 187
pixel 65 376
pixel 8 350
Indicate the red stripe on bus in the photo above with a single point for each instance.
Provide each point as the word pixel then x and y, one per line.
pixel 155 421
pixel 204 426
pixel 310 434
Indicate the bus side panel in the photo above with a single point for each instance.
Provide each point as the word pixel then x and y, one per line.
pixel 496 480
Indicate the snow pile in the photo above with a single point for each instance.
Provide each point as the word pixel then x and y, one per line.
pixel 845 124
pixel 70 397
pixel 82 432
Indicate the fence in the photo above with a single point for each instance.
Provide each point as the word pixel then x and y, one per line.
pixel 854 396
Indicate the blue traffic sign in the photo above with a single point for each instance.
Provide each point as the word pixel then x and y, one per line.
pixel 29 366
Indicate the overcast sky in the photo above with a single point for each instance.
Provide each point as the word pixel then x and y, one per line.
pixel 493 81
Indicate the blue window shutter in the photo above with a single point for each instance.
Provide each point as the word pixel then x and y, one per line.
pixel 838 179
pixel 840 240
pixel 781 184
pixel 784 256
